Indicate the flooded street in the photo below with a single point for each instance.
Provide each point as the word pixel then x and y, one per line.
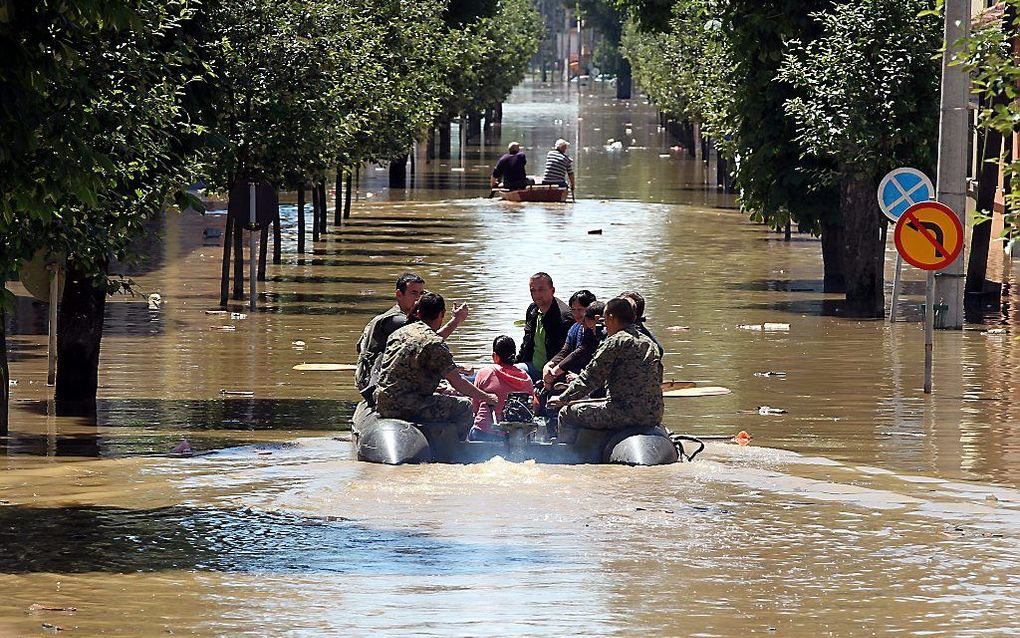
pixel 864 508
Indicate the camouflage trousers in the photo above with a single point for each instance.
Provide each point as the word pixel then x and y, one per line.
pixel 600 414
pixel 438 408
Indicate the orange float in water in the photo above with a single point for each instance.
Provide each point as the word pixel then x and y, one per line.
pixel 742 438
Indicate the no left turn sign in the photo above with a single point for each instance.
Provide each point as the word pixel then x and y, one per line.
pixel 929 235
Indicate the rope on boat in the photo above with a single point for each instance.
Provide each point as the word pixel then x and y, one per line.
pixel 678 441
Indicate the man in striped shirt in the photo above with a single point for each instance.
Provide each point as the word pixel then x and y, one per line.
pixel 558 166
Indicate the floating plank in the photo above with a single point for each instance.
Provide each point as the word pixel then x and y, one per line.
pixel 707 391
pixel 324 367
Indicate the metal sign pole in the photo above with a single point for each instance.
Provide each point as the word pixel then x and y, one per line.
pixel 252 246
pixel 896 288
pixel 929 329
pixel 51 365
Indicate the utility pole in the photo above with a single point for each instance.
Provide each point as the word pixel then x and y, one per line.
pixel 954 133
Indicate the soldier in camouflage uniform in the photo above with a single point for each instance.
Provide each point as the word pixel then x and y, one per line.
pixel 629 365
pixel 410 287
pixel 415 360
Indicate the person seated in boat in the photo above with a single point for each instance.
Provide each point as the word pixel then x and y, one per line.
pixel 628 365
pixel 510 171
pixel 558 165
pixel 500 379
pixel 546 324
pixel 416 359
pixel 409 289
pixel 581 342
pixel 639 310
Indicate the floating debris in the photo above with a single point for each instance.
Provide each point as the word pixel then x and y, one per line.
pixel 767 327
pixel 595 231
pixel 766 410
pixel 364 292
pixel 11 383
pixel 324 367
pixel 678 328
pixel 263 452
pixel 154 300
pixel 298 344
pixel 995 331
pixel 216 312
pixel 182 448
pixel 237 393
pixel 707 391
pixel 742 438
pixel 40 607
pixel 224 328
pixel 770 373
pixel 51 627
pixel 238 316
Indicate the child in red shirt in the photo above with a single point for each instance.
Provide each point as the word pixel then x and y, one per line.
pixel 501 378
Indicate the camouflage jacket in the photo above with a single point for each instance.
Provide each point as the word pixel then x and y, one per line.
pixel 415 360
pixel 371 345
pixel 629 365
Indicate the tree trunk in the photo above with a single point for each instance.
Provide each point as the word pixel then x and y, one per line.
pixel 79 335
pixel 301 219
pixel 323 206
pixel 263 252
pixel 398 172
pixel 348 198
pixel 430 145
pixel 863 253
pixel 832 256
pixel 5 376
pixel 277 234
pixel 990 146
pixel 623 80
pixel 228 242
pixel 337 208
pixel 474 129
pixel 238 260
pixel 313 192
pixel 497 114
pixel 444 140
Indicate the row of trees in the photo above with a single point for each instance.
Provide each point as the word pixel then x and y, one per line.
pixel 110 108
pixel 813 100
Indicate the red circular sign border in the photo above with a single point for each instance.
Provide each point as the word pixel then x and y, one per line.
pixel 902 221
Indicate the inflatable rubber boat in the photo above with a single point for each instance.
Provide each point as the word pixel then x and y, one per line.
pixel 395 442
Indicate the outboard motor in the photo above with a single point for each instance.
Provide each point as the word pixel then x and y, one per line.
pixel 519 424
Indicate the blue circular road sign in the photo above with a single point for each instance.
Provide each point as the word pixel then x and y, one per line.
pixel 901 189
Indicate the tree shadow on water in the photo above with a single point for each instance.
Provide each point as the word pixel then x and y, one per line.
pixel 83 539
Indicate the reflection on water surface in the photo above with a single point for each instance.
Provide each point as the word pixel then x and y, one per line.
pixel 866 508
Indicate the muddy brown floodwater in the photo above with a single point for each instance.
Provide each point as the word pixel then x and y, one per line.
pixel 865 509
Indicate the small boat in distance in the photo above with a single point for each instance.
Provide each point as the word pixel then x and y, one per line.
pixel 536 193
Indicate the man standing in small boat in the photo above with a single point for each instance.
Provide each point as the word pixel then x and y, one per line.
pixel 415 361
pixel 558 165
pixel 410 288
pixel 629 366
pixel 546 324
pixel 510 169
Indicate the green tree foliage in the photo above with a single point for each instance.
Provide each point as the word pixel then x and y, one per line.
pixel 776 181
pixel 990 57
pixel 866 101
pixel 867 88
pixel 685 68
pixel 491 57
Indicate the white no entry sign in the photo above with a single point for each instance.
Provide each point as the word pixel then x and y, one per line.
pixel 901 189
